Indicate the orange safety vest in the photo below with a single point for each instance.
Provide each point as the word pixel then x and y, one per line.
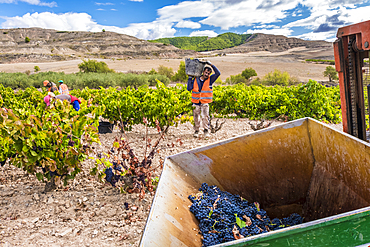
pixel 205 95
pixel 63 89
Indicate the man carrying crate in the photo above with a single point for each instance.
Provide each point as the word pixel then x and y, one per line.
pixel 202 95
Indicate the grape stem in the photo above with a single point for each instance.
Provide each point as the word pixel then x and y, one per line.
pixel 121 126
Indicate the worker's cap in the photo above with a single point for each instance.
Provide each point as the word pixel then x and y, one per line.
pixel 51 94
pixel 60 81
pixel 46 82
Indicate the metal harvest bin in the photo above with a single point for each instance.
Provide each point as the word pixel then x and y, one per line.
pixel 302 167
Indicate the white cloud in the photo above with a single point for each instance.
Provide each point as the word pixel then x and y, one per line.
pixel 151 30
pixel 276 31
pixel 84 22
pixel 324 23
pixel 101 9
pixel 184 10
pixel 188 24
pixel 32 2
pixel 104 3
pixel 247 13
pixel 208 33
pixel 327 36
pixel 257 16
pixel 266 26
pixel 65 22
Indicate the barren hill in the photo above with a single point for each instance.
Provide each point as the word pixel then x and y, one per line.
pixel 279 43
pixel 51 45
pixel 47 45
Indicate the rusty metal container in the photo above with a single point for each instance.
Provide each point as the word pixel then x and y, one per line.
pixel 303 166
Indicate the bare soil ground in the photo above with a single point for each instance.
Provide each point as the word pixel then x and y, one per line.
pixel 230 64
pixel 86 212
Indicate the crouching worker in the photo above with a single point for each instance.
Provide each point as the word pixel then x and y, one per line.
pixel 71 99
pixel 51 86
pixel 75 102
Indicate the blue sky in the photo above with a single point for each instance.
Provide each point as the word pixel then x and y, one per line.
pixel 150 19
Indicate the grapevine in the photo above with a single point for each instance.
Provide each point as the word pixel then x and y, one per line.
pixel 122 168
pixel 49 142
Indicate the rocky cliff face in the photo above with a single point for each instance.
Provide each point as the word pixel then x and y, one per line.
pixel 52 45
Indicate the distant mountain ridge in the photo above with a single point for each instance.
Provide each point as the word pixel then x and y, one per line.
pixel 52 45
pixel 236 43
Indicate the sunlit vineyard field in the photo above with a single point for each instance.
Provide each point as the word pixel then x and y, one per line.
pixel 84 209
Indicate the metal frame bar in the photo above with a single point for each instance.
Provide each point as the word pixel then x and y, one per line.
pixel 348 64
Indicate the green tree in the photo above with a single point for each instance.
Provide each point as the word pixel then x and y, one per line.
pixel 331 73
pixel 94 66
pixel 103 30
pixel 180 75
pixel 36 68
pixel 235 79
pixel 248 73
pixel 152 72
pixel 241 78
pixel 27 40
pixel 277 78
pixel 163 70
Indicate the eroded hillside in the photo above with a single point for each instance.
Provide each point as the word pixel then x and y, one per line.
pixel 53 45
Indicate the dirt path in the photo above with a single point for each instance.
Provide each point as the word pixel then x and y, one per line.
pixel 231 64
pixel 87 213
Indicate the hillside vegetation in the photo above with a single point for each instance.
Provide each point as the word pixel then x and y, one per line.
pixel 203 43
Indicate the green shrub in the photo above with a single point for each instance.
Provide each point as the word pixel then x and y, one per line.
pixel 81 80
pixel 180 75
pixel 332 62
pixel 331 73
pixel 97 80
pixel 256 81
pixel 27 40
pixel 152 79
pixel 36 68
pixel 235 79
pixel 248 73
pixel 278 78
pixel 163 70
pixel 94 66
pixel 152 72
pixel 241 78
pixel 132 80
